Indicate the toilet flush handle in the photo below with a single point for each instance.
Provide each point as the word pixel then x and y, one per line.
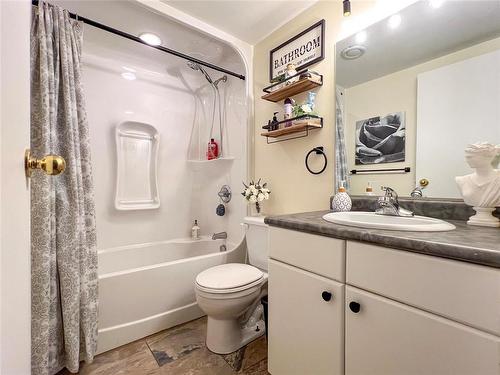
pixel 245 225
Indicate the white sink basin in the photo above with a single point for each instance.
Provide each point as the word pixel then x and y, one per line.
pixel 375 221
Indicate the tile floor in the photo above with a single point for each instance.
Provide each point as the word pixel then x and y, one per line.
pixel 179 350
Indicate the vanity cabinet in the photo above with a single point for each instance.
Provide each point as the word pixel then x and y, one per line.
pixel 306 322
pixel 391 311
pixel 389 338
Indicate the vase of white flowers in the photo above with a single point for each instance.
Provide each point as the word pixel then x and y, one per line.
pixel 256 193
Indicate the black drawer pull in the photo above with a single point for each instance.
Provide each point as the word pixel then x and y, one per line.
pixel 327 296
pixel 355 307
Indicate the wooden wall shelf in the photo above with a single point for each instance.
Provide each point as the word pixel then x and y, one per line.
pixel 299 129
pixel 302 85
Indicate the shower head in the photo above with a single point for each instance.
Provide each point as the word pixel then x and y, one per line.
pixel 197 67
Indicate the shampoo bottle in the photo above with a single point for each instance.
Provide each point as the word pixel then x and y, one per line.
pixel 195 231
pixel 341 201
pixel 212 150
pixel 288 111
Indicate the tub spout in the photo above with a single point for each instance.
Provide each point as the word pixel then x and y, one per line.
pixel 219 236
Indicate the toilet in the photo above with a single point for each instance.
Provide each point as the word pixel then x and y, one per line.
pixel 230 294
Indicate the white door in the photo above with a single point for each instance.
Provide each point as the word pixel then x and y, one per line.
pixel 384 337
pixel 14 194
pixel 306 317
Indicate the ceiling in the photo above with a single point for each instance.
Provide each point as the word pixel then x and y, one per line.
pixel 250 21
pixel 425 33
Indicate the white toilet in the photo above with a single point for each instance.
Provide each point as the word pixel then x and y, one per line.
pixel 230 294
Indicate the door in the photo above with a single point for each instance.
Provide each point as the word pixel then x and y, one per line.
pixel 306 317
pixel 386 337
pixel 15 278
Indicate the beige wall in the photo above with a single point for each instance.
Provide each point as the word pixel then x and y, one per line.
pixel 293 188
pixel 393 93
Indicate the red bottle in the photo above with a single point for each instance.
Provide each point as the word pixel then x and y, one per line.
pixel 213 150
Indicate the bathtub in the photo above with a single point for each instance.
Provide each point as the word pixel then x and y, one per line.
pixel 149 287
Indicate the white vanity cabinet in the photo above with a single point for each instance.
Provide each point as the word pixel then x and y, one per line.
pixel 384 337
pixel 306 304
pixel 392 311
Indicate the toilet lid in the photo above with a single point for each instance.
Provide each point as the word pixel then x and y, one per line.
pixel 229 276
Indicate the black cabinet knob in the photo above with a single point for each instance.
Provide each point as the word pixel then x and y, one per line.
pixel 327 296
pixel 355 307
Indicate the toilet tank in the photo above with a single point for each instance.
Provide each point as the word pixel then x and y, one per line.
pixel 256 237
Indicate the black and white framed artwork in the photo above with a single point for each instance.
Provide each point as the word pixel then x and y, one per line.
pixel 381 139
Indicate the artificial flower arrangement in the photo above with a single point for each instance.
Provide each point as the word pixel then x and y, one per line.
pixel 256 193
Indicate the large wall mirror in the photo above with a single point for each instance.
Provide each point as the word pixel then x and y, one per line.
pixel 412 91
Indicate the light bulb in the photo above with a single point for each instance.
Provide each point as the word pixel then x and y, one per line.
pixel 151 39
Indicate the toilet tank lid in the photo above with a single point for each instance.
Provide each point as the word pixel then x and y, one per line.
pixel 254 220
pixel 228 276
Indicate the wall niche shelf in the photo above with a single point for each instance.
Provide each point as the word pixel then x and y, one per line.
pixel 300 128
pixel 196 164
pixel 308 80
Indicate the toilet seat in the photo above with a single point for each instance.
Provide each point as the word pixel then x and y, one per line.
pixel 229 278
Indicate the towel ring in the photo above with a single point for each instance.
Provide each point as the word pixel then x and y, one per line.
pixel 319 151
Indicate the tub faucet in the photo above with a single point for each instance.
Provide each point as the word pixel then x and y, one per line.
pixel 389 204
pixel 219 236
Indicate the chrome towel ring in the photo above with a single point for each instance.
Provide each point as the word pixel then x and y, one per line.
pixel 319 151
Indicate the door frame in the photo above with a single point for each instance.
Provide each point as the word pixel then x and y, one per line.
pixel 15 269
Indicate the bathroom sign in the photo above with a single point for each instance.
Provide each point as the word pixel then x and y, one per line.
pixel 302 50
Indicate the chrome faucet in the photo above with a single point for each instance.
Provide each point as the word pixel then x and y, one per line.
pixel 389 204
pixel 219 236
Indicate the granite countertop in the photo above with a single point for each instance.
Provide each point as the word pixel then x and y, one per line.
pixel 473 244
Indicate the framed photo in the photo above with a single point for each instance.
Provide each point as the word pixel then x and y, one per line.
pixel 381 139
pixel 302 50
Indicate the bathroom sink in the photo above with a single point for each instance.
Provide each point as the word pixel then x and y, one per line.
pixel 375 221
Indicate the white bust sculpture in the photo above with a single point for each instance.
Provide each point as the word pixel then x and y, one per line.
pixel 481 189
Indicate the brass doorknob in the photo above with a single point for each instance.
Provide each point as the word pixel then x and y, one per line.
pixel 50 164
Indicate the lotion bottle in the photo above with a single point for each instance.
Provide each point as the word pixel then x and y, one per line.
pixel 195 231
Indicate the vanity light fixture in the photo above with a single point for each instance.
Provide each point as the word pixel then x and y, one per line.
pixel 394 21
pixel 361 37
pixel 347 8
pixel 150 38
pixel 436 3
pixel 353 52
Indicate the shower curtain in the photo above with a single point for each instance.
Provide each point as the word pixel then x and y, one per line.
pixel 341 173
pixel 63 235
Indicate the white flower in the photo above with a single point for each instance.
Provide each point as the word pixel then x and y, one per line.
pixel 247 192
pixel 266 195
pixel 253 189
pixel 253 199
pixel 265 190
pixel 260 197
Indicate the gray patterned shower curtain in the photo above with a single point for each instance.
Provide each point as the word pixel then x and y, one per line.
pixel 63 235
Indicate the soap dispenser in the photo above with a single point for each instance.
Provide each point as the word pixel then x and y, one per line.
pixel 369 189
pixel 195 231
pixel 341 201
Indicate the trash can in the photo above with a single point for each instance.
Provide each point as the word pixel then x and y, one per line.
pixel 265 302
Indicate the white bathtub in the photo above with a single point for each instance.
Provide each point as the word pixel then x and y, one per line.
pixel 146 288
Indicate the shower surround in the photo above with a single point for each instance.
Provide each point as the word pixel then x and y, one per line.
pixel 150 285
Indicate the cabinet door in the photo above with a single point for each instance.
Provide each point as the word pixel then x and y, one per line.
pixel 306 317
pixel 386 337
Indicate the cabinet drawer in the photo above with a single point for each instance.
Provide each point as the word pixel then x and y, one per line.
pixel 388 338
pixel 464 292
pixel 306 328
pixel 324 256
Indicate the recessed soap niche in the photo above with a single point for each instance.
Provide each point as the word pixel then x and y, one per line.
pixel 137 166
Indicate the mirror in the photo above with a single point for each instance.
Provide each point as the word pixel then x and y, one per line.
pixel 412 91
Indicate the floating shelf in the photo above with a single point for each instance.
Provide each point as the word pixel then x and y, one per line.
pixel 299 129
pixel 279 91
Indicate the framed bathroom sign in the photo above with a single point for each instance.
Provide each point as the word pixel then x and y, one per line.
pixel 304 49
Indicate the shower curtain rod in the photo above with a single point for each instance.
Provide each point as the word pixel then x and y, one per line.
pixel 139 40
